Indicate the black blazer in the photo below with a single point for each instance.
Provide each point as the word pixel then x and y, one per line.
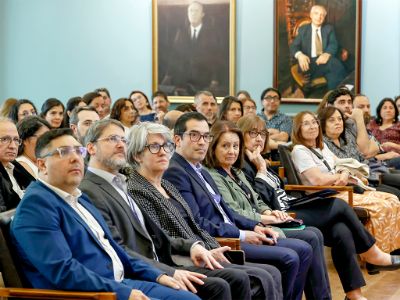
pixel 8 198
pixel 126 231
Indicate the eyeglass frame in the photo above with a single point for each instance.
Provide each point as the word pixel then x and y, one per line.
pixel 258 133
pixel 207 137
pixel 114 138
pixel 71 149
pixel 271 98
pixel 148 146
pixel 6 140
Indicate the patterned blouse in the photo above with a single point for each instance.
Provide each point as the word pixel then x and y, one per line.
pixel 391 134
pixel 347 148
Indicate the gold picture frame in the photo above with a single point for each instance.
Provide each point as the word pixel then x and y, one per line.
pixel 182 64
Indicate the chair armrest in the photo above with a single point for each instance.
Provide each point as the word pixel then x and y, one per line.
pixel 55 294
pixel 348 189
pixel 274 163
pixel 234 243
pixel 281 173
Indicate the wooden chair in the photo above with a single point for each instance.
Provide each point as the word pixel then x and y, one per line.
pixel 295 183
pixel 14 280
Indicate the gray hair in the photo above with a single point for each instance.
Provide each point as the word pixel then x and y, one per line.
pixel 98 127
pixel 138 138
pixel 205 93
pixel 5 120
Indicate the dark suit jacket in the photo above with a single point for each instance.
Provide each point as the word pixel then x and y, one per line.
pixel 302 41
pixel 125 229
pixel 199 62
pixel 8 198
pixel 194 191
pixel 59 251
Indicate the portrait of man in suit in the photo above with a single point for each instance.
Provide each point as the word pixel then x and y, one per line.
pixel 317 47
pixel 193 47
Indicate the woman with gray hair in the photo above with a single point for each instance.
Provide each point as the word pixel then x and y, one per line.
pixel 149 152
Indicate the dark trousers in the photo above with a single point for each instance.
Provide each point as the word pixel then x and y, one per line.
pixel 291 256
pixel 343 232
pixel 333 71
pixel 317 283
pixel 157 291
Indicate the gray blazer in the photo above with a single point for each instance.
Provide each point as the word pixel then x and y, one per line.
pixel 126 231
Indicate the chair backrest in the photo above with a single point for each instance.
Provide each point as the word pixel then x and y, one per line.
pixel 9 263
pixel 291 174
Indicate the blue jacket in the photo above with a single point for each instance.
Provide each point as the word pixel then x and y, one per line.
pixel 59 251
pixel 206 213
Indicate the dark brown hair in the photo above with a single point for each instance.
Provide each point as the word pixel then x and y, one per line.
pixel 217 130
pixel 323 117
pixel 226 105
pixel 118 106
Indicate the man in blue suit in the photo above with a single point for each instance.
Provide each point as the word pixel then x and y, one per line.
pixel 63 241
pixel 260 244
pixel 315 48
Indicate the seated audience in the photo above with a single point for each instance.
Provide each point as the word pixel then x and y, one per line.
pixel 124 111
pixel 14 178
pixel 71 104
pixel 206 104
pixel 224 160
pixel 29 130
pixel 342 230
pixel 142 105
pixel 279 125
pixel 260 244
pixel 324 102
pixel 82 117
pixel 171 117
pixel 316 165
pixel 107 100
pixel 149 152
pixel 64 243
pixel 96 100
pixel 386 126
pixel 6 107
pixel 344 145
pixel 160 104
pixel 53 112
pixel 230 109
pixel 137 233
pixel 21 109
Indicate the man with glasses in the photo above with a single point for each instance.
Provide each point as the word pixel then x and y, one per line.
pixel 82 117
pixel 134 230
pixel 291 256
pixel 278 124
pixel 14 178
pixel 63 241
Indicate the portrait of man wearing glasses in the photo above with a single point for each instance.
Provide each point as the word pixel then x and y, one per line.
pixel 278 124
pixel 14 178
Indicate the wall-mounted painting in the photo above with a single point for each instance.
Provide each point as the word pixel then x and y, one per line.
pixel 317 48
pixel 193 47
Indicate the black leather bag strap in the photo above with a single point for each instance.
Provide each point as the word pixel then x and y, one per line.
pixel 321 158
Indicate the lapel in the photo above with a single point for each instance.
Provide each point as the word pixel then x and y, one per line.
pixel 234 185
pixel 186 166
pixel 110 190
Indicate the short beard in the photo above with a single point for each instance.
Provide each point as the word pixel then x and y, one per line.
pixel 114 164
pixel 367 118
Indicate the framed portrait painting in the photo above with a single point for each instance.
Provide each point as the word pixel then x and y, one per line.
pixel 317 48
pixel 193 47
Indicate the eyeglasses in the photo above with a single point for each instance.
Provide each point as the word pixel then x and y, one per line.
pixel 309 124
pixel 115 139
pixel 155 148
pixel 27 113
pixel 263 133
pixel 271 98
pixel 6 140
pixel 196 136
pixel 66 151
